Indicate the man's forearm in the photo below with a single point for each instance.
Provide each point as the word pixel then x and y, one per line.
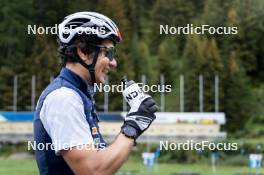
pixel 114 155
pixel 99 162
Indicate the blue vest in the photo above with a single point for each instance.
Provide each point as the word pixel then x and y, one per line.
pixel 48 162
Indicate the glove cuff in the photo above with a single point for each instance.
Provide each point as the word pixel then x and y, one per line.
pixel 130 132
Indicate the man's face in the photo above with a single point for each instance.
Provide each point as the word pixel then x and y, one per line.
pixel 103 64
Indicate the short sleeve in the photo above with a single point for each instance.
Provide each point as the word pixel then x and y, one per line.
pixel 63 117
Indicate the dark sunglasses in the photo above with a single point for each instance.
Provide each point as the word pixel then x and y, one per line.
pixel 109 51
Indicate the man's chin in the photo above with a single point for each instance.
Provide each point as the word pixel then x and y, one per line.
pixel 101 80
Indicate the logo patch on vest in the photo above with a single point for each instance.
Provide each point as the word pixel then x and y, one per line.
pixel 94 131
pixel 97 141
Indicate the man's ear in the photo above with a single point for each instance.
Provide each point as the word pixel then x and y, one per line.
pixel 81 54
pixel 87 58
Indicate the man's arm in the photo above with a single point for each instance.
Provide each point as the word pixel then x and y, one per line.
pixel 108 161
pixel 99 162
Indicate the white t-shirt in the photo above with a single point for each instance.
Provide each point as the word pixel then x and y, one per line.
pixel 63 117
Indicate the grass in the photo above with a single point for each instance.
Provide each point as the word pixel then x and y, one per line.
pixel 18 167
pixel 28 167
pixel 167 169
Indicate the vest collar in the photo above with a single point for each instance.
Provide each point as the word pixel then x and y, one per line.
pixel 77 81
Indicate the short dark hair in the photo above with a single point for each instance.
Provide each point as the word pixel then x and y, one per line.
pixel 68 53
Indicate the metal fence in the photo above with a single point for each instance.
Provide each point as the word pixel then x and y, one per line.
pixel 105 102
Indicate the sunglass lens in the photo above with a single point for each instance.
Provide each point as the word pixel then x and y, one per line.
pixel 110 54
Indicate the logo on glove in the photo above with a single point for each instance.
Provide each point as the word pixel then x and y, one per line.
pixel 133 95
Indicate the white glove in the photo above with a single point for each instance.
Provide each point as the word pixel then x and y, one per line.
pixel 141 114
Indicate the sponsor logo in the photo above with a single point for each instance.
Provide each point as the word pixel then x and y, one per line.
pixel 94 131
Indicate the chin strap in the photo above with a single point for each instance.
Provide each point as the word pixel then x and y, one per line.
pixel 90 67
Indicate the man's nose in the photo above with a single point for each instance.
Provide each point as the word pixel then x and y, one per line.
pixel 113 63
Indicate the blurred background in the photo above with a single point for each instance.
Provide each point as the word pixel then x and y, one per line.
pixel 217 81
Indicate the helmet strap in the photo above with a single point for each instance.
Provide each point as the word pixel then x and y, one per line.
pixel 90 67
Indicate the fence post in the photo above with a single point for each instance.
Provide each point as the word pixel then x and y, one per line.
pixel 162 95
pixel 216 93
pixel 106 96
pixel 201 92
pixel 124 101
pixel 15 94
pixel 33 92
pixel 181 93
pixel 51 78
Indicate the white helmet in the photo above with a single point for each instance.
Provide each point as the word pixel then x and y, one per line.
pixel 90 23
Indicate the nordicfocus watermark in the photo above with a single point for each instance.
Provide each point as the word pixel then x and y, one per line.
pixel 200 30
pixel 190 145
pixel 40 30
pixel 63 146
pixel 144 87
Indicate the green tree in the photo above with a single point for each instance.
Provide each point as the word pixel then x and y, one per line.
pixel 201 57
pixel 142 63
pixel 250 19
pixel 43 63
pixel 193 55
pixel 169 61
pixel 15 44
pixel 174 14
pixel 238 100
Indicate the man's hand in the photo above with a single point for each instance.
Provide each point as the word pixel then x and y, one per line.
pixel 141 114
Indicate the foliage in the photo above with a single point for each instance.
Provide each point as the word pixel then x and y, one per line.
pixel 236 59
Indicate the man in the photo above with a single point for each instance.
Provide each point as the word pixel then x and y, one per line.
pixel 65 120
